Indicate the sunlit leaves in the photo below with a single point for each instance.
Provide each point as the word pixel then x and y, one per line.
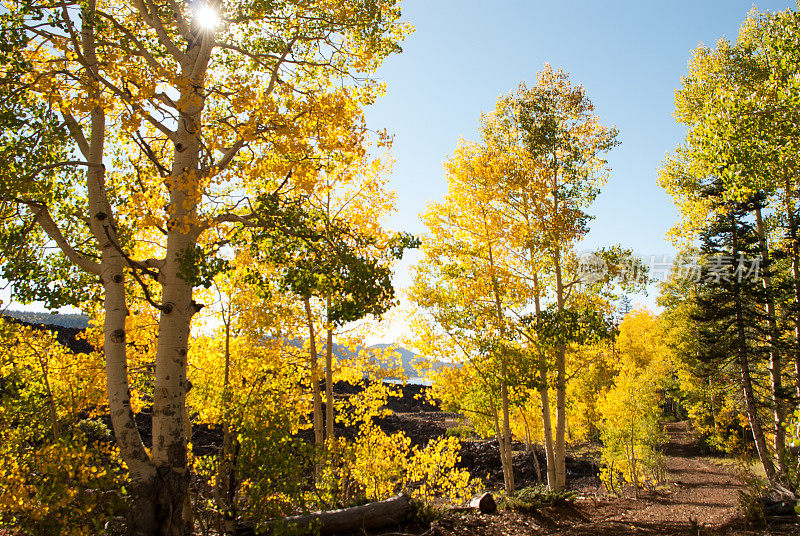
pixel 58 475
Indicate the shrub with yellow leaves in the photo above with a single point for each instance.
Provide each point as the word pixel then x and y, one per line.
pixel 433 472
pixel 631 409
pixel 377 465
pixel 59 474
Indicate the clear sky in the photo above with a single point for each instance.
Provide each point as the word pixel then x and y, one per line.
pixel 629 55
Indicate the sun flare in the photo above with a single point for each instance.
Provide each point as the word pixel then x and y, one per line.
pixel 207 17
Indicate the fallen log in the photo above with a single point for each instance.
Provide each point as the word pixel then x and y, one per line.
pixel 485 503
pixel 781 520
pixel 369 516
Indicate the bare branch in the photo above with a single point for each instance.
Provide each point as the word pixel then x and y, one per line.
pixel 155 23
pixel 156 264
pixel 275 71
pixel 139 140
pixel 73 36
pixel 77 134
pixel 223 162
pixel 134 264
pixel 142 50
pixel 180 22
pixel 42 216
pixel 127 97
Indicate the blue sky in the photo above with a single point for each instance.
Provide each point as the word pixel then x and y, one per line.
pixel 629 55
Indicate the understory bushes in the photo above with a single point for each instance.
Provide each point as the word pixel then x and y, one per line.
pixel 59 473
pixel 289 477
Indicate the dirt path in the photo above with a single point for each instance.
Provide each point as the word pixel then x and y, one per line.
pixel 700 499
pixel 701 493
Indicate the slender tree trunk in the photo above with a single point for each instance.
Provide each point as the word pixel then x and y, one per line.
pixel 633 464
pixel 329 378
pixel 544 395
pixel 561 389
pixel 505 446
pixel 547 424
pixel 752 412
pixel 561 373
pixel 319 437
pixel 528 440
pixel 142 511
pixel 529 447
pixel 55 429
pixel 508 469
pixel 536 466
pixel 505 463
pixel 713 404
pixel 778 403
pixel 225 488
pixel 561 420
pixel 747 386
pixel 794 251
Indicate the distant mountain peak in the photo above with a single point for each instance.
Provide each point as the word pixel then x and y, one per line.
pixel 64 320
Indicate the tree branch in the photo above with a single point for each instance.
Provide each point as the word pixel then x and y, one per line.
pixel 226 159
pixel 77 134
pixel 180 22
pixel 155 23
pixel 142 50
pixel 127 97
pixel 41 215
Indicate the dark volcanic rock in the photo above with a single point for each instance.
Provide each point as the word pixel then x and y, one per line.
pixel 580 468
pixel 482 459
pixel 420 431
pixel 413 400
pixel 72 338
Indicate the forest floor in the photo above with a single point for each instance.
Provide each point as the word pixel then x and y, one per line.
pixel 700 498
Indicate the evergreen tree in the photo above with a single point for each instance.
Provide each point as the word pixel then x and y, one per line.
pixel 730 306
pixel 623 308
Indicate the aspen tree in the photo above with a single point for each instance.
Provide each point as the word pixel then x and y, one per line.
pixel 180 117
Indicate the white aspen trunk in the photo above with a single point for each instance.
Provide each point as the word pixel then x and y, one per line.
pixel 561 391
pixel 747 388
pixel 561 376
pixel 544 395
pixel 561 420
pixel 177 307
pixel 547 425
pixel 775 362
pixel 504 461
pixel 633 463
pixel 169 397
pixel 141 513
pixel 225 490
pixel 508 469
pixel 505 445
pixel 329 379
pixel 794 250
pixel 529 447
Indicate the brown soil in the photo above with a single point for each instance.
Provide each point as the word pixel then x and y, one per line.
pixel 700 499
